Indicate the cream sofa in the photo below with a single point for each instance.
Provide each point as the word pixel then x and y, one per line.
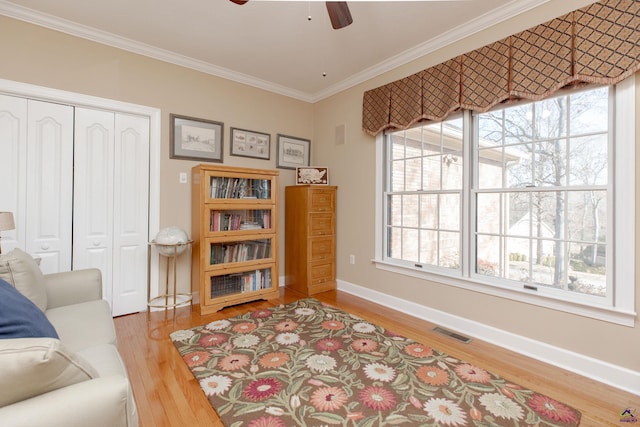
pixel 77 379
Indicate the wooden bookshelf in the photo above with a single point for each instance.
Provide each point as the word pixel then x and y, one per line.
pixel 234 228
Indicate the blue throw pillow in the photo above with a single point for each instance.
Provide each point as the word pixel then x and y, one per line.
pixel 20 318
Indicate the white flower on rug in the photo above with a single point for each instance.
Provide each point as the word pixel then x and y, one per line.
pixel 183 335
pixel 363 327
pixel 321 363
pixel 218 325
pixel 501 406
pixel 246 341
pixel 379 372
pixel 215 384
pixel 287 338
pixel 445 412
pixel 304 311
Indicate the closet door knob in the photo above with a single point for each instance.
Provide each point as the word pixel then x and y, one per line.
pixel 45 247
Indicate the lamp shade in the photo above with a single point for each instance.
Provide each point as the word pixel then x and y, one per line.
pixel 6 221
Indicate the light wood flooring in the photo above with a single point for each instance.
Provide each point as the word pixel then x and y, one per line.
pixel 168 395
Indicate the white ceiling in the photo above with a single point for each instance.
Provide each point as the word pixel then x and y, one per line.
pixel 272 44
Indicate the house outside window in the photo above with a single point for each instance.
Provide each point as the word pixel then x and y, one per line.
pixel 517 201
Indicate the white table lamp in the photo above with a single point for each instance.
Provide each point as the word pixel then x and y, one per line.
pixel 6 223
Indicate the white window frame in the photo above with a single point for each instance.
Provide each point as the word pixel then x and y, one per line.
pixel 620 308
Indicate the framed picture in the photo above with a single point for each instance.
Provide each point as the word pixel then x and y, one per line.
pixel 292 152
pixel 248 143
pixel 317 176
pixel 195 139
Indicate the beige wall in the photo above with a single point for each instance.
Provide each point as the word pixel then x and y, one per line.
pixel 352 168
pixel 38 56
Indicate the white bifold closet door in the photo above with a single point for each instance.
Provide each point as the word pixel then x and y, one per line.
pixel 111 203
pixel 77 180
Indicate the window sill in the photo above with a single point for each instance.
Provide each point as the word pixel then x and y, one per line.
pixel 607 314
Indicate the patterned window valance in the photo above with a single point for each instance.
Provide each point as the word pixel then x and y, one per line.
pixel 596 44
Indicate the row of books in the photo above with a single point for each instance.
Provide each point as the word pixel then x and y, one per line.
pixel 241 251
pixel 246 220
pixel 239 188
pixel 240 282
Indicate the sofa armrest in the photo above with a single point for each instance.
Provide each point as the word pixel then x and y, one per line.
pixel 73 287
pixel 100 402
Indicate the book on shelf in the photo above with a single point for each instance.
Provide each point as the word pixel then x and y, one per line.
pixel 239 188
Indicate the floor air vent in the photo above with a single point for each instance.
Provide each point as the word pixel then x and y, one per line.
pixel 452 334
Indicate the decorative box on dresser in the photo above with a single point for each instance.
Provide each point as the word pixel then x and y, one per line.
pixel 234 228
pixel 310 238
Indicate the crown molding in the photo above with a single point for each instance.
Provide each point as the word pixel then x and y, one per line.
pixel 78 30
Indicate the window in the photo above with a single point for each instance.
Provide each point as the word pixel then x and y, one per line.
pixel 517 201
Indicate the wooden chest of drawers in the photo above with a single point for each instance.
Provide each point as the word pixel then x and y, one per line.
pixel 310 238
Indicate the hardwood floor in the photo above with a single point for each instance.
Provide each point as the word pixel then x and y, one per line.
pixel 168 395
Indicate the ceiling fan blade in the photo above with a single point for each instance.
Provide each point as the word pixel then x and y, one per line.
pixel 339 14
pixel 240 2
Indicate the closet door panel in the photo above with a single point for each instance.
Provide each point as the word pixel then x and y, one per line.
pixel 93 193
pixel 13 158
pixel 131 207
pixel 49 179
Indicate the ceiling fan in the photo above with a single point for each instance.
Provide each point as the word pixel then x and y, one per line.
pixel 338 13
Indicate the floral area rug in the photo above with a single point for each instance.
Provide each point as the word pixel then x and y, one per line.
pixel 309 364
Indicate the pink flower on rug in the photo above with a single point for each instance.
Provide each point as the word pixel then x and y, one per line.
pixel 418 350
pixel 378 398
pixel 233 362
pixel 364 345
pixel 267 422
pixel 328 344
pixel 261 314
pixel 432 375
pixel 333 325
pixel 329 399
pixel 286 326
pixel 212 340
pixel 262 388
pixel 244 327
pixel 196 358
pixel 273 360
pixel 552 409
pixel 472 373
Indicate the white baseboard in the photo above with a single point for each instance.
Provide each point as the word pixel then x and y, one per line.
pixel 599 370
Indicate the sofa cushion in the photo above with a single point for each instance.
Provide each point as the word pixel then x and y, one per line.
pixel 19 317
pixel 33 366
pixel 83 325
pixel 21 270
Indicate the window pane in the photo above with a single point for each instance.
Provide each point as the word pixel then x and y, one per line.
pixel 587 218
pixel 429 211
pixel 519 166
pixel 397 175
pixel 394 206
pixel 410 211
pixel 588 160
pixel 587 269
pixel 413 175
pixel 488 255
pixel 551 160
pixel 429 247
pixel 394 242
pixel 517 124
pixel 449 250
pixel 550 118
pixel 589 111
pixel 450 212
pixel 410 244
pixel 488 207
pixel 519 253
pixel 452 167
pixel 431 173
pixel 490 168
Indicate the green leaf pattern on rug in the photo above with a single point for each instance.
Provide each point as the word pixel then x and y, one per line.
pixel 310 364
